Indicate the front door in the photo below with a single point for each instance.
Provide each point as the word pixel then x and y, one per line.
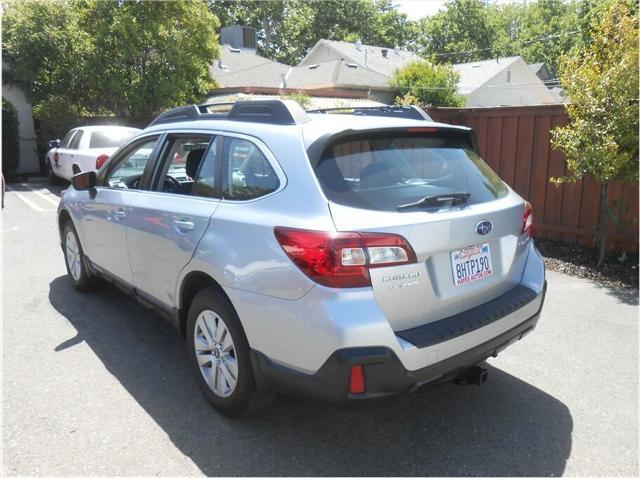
pixel 166 223
pixel 105 216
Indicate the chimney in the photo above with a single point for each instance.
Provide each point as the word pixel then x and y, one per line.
pixel 385 52
pixel 240 37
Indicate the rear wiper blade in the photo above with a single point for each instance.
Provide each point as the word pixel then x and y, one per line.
pixel 438 200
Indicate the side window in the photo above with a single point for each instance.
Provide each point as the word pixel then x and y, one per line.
pixel 247 172
pixel 128 169
pixel 205 182
pixel 76 140
pixel 67 138
pixel 181 163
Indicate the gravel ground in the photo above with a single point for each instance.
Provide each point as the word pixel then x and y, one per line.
pixel 620 270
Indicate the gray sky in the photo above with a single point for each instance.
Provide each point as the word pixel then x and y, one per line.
pixel 416 9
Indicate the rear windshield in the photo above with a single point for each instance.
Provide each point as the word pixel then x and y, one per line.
pixel 109 139
pixel 392 172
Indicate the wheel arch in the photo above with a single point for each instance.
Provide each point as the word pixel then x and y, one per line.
pixel 63 217
pixel 194 282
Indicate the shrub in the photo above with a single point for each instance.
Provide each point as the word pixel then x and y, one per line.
pixel 10 139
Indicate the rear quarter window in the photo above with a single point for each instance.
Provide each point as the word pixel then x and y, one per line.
pixel 109 139
pixel 383 172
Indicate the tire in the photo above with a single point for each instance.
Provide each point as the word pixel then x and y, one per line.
pixel 210 309
pixel 75 261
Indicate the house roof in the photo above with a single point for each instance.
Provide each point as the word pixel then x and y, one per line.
pixel 367 56
pixel 335 73
pixel 474 75
pixel 238 68
pixel 314 101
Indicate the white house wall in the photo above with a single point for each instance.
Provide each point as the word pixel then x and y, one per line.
pixel 28 147
pixel 521 88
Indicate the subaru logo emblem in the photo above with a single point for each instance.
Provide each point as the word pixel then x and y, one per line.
pixel 484 227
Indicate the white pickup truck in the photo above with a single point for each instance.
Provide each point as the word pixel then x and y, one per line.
pixel 84 149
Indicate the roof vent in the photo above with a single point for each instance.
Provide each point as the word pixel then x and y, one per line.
pixel 352 65
pixel 313 67
pixel 385 52
pixel 359 45
pixel 234 50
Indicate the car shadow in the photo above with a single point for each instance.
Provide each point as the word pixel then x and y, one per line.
pixel 506 427
pixel 56 190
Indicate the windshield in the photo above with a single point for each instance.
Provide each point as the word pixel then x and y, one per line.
pixel 113 138
pixel 390 172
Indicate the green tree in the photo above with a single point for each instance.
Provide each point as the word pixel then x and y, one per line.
pixel 148 56
pixel 124 58
pixel 541 31
pixel 45 50
pixel 601 139
pixel 286 30
pixel 463 27
pixel 430 84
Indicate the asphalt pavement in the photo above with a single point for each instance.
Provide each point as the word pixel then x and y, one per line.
pixel 94 384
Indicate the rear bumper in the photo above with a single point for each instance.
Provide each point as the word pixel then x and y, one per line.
pixel 384 373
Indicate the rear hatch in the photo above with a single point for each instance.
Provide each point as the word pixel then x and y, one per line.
pixel 429 186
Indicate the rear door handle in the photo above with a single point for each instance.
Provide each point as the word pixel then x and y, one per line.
pixel 120 214
pixel 184 225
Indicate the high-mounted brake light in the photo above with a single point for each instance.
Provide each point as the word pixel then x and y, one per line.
pixel 100 160
pixel 527 219
pixel 343 259
pixel 422 130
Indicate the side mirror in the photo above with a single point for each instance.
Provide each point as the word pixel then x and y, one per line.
pixel 86 181
pixel 54 143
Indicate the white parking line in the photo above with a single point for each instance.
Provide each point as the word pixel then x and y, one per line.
pixel 41 193
pixel 27 201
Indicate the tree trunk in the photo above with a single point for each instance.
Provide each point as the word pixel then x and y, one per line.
pixel 602 225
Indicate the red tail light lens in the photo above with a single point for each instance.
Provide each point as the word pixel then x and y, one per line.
pixel 343 259
pixel 101 160
pixel 357 383
pixel 527 219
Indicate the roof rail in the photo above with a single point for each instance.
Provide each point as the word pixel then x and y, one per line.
pixel 263 111
pixel 406 112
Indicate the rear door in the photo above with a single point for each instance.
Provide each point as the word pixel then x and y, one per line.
pixel 462 221
pixel 167 222
pixel 72 154
pixel 61 156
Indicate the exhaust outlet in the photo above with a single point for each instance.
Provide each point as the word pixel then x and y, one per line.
pixel 472 376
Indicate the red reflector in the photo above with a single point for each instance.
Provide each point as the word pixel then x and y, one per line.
pixel 100 160
pixel 422 130
pixel 356 380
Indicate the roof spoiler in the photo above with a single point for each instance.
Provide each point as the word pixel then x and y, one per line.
pixel 405 112
pixel 283 112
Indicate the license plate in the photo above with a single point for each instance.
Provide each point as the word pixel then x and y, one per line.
pixel 471 264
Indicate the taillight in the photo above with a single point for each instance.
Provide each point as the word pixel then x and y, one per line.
pixel 100 160
pixel 343 259
pixel 527 219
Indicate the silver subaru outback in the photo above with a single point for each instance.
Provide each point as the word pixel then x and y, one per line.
pixel 346 255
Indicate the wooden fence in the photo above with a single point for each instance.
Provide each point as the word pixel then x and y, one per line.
pixel 515 141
